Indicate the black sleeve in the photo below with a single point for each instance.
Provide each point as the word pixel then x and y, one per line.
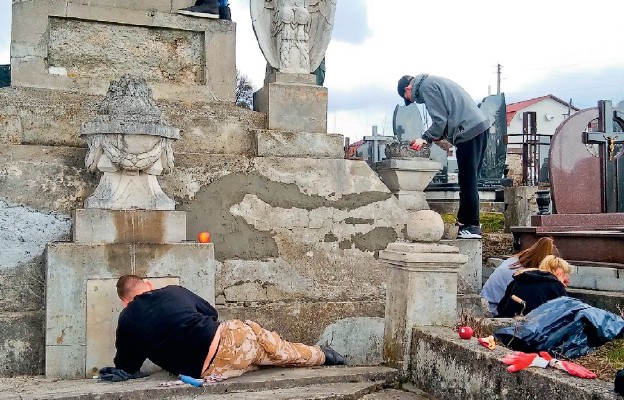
pixel 507 308
pixel 202 306
pixel 127 356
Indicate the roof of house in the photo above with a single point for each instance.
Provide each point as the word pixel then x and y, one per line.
pixel 513 108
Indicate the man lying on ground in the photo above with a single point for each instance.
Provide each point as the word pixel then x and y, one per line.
pixel 180 332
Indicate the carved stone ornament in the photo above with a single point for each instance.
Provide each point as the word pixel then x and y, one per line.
pixel 293 34
pixel 130 144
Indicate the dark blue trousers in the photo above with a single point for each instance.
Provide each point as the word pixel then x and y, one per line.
pixel 469 162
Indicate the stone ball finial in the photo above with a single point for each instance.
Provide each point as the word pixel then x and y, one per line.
pixel 425 226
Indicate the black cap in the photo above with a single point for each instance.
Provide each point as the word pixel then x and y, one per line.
pixel 403 83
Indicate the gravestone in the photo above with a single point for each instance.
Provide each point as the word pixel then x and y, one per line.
pixel 586 185
pixel 5 76
pixel 494 108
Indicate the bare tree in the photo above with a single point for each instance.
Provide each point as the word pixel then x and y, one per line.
pixel 244 90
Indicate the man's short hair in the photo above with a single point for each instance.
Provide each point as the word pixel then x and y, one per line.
pixel 403 83
pixel 127 284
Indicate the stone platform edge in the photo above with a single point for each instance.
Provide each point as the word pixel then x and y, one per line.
pixel 453 368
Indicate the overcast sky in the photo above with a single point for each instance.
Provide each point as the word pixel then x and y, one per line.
pixel 569 49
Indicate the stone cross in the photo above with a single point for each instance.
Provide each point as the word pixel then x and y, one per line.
pixel 607 138
pixel 375 139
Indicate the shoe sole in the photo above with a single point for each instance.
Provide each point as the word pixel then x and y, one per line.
pixel 469 236
pixel 197 14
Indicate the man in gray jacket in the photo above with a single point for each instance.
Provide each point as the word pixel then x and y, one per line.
pixel 456 119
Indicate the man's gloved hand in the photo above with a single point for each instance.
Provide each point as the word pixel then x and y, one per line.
pixel 112 374
pixel 520 360
pixel 569 367
pixel 417 144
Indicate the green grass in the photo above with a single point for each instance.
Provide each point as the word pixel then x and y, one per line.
pixel 490 222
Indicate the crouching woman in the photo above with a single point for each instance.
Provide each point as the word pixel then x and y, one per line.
pixel 530 288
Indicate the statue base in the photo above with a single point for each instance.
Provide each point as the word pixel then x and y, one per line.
pixel 293 103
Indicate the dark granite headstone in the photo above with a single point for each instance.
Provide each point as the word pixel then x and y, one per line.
pixel 494 108
pixel 5 75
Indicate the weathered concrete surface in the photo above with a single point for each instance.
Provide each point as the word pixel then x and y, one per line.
pixel 520 204
pixel 298 144
pixel 128 226
pixel 359 339
pixel 21 343
pixel 453 368
pixel 307 322
pixel 250 384
pixel 393 394
pixel 469 279
pixel 47 117
pixel 295 239
pixel 79 46
pixel 70 267
pixel 610 301
pixel 293 107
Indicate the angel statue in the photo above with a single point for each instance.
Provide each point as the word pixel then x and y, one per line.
pixel 293 34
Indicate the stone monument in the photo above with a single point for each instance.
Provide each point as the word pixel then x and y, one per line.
pixel 293 36
pixel 295 225
pixel 128 226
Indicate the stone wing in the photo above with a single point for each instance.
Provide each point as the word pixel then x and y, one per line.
pixel 263 22
pixel 322 14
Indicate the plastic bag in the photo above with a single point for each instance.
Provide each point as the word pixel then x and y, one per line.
pixel 564 326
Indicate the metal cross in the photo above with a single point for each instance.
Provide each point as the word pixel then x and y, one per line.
pixel 607 138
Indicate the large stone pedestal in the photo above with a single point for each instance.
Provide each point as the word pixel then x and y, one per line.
pixel 80 46
pixel 296 110
pixel 82 306
pixel 293 103
pixel 422 290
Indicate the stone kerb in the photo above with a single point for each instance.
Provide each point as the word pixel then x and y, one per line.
pixel 74 46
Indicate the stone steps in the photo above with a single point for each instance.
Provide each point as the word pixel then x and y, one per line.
pixel 269 383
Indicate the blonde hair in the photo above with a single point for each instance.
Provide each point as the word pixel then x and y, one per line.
pixel 552 264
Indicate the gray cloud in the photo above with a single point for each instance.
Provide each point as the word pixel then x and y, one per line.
pixel 351 25
pixel 584 88
pixel 366 96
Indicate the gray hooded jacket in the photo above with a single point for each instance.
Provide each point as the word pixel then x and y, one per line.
pixel 455 115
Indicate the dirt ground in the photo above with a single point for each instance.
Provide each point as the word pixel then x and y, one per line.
pixel 496 245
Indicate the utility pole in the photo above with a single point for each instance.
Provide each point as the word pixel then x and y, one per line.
pixel 498 78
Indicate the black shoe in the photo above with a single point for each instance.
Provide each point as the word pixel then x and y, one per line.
pixel 469 232
pixel 332 357
pixel 225 13
pixel 202 9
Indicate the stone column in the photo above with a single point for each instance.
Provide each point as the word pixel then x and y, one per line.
pixel 422 273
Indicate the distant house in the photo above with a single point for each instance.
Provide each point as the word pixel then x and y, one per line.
pixel 550 112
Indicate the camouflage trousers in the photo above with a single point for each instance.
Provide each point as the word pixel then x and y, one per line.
pixel 246 345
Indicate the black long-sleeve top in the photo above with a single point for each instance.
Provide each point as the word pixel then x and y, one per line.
pixel 534 287
pixel 172 326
